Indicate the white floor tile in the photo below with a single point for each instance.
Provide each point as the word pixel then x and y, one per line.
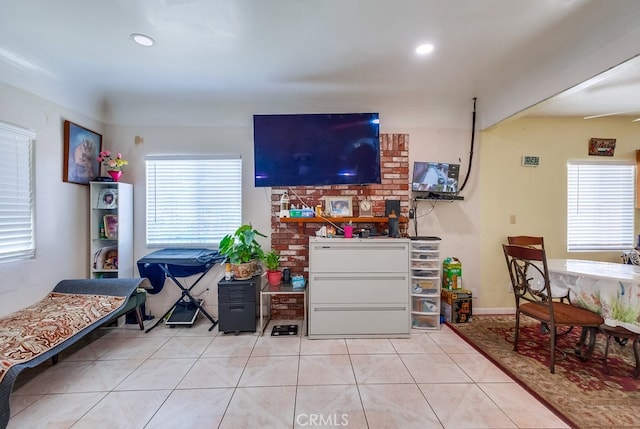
pixel 463 405
pixel 260 407
pixel 193 377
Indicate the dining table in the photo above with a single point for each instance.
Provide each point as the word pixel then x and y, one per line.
pixel 610 289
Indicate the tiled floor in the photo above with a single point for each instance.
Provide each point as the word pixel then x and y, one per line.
pixel 191 378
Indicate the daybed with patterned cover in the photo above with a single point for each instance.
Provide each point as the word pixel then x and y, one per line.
pixel 73 309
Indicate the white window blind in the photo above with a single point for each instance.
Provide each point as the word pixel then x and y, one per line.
pixel 17 239
pixel 192 201
pixel 601 206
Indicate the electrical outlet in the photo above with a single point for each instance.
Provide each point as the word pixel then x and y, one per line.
pixel 512 219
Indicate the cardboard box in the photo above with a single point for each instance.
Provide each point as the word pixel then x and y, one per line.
pixel 456 306
pixel 451 274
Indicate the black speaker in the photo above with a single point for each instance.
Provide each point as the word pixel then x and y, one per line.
pixel 392 206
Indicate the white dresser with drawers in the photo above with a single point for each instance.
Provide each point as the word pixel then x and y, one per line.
pixel 359 288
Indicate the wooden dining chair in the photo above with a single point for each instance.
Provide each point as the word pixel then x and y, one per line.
pixel 533 241
pixel 532 299
pixel 526 240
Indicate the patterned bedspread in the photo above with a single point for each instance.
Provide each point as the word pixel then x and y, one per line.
pixel 32 331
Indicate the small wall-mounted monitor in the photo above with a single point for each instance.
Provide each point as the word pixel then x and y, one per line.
pixel 436 177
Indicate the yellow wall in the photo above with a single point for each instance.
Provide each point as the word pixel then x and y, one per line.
pixel 536 195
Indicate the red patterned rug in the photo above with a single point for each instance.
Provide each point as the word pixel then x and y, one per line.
pixel 38 328
pixel 579 392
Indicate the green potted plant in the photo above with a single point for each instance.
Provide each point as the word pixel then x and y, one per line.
pixel 242 251
pixel 272 262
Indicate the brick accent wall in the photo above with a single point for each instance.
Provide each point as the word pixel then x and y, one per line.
pixel 292 241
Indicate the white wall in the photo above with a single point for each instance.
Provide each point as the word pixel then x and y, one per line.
pixel 472 230
pixel 187 140
pixel 457 223
pixel 61 208
pixel 453 222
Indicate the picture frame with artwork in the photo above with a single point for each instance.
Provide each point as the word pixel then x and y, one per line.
pixel 111 227
pixel 108 199
pixel 81 150
pixel 339 206
pixel 602 147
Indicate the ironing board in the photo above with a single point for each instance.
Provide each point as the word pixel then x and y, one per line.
pixel 174 263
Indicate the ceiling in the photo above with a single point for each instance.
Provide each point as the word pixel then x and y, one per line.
pixel 219 58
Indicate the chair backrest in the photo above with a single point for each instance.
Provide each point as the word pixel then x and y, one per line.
pixel 527 240
pixel 529 273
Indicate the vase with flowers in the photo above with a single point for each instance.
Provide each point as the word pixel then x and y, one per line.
pixel 114 164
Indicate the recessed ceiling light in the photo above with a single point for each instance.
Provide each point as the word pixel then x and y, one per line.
pixel 424 49
pixel 142 40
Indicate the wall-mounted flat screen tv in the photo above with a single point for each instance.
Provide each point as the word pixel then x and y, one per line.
pixel 437 177
pixel 316 149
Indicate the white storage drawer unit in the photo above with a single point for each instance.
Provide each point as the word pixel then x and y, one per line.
pixel 425 268
pixel 358 288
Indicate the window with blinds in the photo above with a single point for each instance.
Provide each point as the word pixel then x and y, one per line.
pixel 600 206
pixel 192 201
pixel 17 236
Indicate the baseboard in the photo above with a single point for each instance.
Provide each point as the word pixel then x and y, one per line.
pixel 496 310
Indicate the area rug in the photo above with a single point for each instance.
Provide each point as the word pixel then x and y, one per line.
pixel 579 392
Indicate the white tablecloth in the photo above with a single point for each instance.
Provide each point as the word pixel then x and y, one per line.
pixel 609 289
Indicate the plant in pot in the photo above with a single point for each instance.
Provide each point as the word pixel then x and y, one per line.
pixel 272 262
pixel 242 251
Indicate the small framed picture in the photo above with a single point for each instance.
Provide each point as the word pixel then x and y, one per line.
pixel 111 227
pixel 602 147
pixel 339 206
pixel 108 198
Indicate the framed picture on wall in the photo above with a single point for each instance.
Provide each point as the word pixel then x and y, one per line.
pixel 602 147
pixel 339 206
pixel 81 149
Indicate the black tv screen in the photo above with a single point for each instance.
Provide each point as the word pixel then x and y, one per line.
pixel 316 149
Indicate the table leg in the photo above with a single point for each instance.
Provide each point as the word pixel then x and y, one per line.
pixel 636 372
pixel 260 322
pixel 264 318
pixel 584 353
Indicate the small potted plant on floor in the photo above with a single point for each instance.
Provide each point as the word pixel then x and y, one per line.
pixel 272 262
pixel 243 251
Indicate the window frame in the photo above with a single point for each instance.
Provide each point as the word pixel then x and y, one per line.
pixel 204 225
pixel 599 196
pixel 17 218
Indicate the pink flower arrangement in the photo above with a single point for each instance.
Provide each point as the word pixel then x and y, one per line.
pixel 110 162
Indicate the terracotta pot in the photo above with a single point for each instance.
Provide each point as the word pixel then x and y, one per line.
pixel 243 271
pixel 274 277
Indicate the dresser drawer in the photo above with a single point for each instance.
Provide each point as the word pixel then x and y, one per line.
pixel 345 320
pixel 358 288
pixel 359 256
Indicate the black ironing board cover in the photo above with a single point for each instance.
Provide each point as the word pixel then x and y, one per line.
pixel 179 262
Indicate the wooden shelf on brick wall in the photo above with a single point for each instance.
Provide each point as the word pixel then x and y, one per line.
pixel 301 221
